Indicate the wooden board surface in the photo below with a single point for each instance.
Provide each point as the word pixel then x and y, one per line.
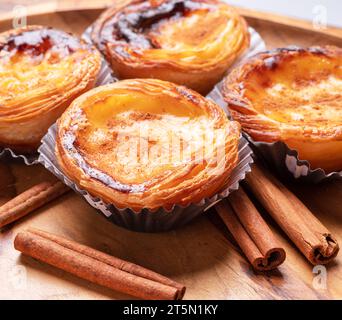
pixel 201 255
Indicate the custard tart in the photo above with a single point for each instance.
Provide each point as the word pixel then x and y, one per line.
pixel 41 71
pixel 292 95
pixel 188 42
pixel 147 143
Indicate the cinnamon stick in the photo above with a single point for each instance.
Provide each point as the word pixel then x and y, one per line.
pixel 111 260
pixel 30 200
pixel 251 232
pixel 311 237
pixel 97 267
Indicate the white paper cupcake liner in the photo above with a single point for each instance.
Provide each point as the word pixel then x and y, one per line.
pixel 29 159
pixel 285 160
pixel 146 220
pixel 277 154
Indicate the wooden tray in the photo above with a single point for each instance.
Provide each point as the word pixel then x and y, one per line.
pixel 201 255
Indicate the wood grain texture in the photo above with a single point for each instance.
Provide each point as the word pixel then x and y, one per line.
pixel 201 255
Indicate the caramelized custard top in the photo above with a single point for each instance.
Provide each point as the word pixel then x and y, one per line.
pixel 37 60
pixel 183 32
pixel 302 89
pixel 141 135
pixel 288 93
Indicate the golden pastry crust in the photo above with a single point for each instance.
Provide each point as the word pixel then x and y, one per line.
pixel 146 143
pixel 171 40
pixel 292 95
pixel 41 71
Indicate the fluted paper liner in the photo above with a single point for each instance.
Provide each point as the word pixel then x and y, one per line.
pixel 146 220
pixel 29 159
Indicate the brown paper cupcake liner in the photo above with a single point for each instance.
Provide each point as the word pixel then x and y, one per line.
pixel 278 155
pixel 146 220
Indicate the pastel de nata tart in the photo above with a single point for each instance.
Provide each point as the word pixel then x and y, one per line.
pixel 292 95
pixel 41 71
pixel 188 42
pixel 147 143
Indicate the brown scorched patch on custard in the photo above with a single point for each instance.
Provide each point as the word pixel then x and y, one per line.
pixel 39 41
pixel 134 23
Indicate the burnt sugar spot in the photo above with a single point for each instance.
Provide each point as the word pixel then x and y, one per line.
pixel 271 63
pixel 37 42
pixel 133 24
pixel 317 50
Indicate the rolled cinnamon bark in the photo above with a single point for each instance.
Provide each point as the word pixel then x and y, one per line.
pixel 111 260
pixel 311 237
pixel 30 200
pixel 251 232
pixel 97 267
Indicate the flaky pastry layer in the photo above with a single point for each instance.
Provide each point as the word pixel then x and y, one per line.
pixel 41 71
pixel 189 42
pixel 292 95
pixel 147 144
